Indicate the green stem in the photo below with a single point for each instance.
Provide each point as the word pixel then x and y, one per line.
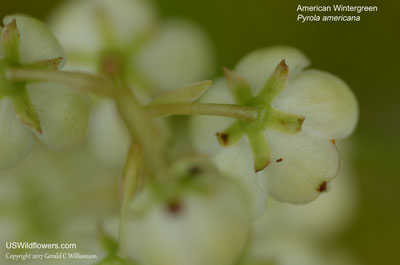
pixel 244 113
pixel 79 80
pixel 129 181
pixel 141 128
pixel 98 84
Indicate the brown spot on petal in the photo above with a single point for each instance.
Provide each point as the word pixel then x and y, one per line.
pixel 279 160
pixel 195 170
pixel 333 141
pixel 174 207
pixel 301 121
pixel 322 187
pixel 224 137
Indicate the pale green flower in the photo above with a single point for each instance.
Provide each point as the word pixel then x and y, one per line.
pixel 198 217
pixel 154 56
pixel 54 113
pixel 301 113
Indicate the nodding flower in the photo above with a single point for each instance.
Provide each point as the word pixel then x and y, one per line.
pixel 56 114
pixel 154 55
pixel 197 205
pixel 289 149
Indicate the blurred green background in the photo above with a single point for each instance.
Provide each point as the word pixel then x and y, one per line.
pixel 365 54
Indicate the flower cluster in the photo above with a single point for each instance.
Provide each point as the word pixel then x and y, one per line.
pixel 127 36
pixel 192 188
pixel 103 35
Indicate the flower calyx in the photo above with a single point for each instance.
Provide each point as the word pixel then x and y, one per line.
pixel 268 117
pixel 16 91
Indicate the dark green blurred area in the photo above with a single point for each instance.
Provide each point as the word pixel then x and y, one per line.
pixel 365 54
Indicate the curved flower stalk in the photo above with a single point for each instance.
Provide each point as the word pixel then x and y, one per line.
pixel 198 217
pixel 300 115
pixel 126 37
pixel 54 113
pixel 127 34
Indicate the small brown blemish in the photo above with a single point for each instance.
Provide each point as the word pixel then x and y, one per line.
pixel 333 141
pixel 223 137
pixel 279 160
pixel 195 170
pixel 322 187
pixel 174 207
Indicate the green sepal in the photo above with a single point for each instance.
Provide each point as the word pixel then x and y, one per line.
pixel 274 85
pixel 106 241
pixel 50 64
pixel 268 117
pixel 104 25
pixel 5 86
pixel 230 135
pixel 239 88
pixel 284 122
pixel 129 180
pixel 10 41
pixel 24 108
pixel 130 173
pixel 186 94
pixel 260 148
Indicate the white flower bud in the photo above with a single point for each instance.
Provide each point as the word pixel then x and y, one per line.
pixel 180 53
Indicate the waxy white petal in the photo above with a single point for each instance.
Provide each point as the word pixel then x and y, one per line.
pixel 63 114
pixel 15 139
pixel 323 218
pixel 324 99
pixel 37 42
pixel 236 161
pixel 257 66
pixel 180 53
pixel 301 165
pixel 108 137
pixel 210 228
